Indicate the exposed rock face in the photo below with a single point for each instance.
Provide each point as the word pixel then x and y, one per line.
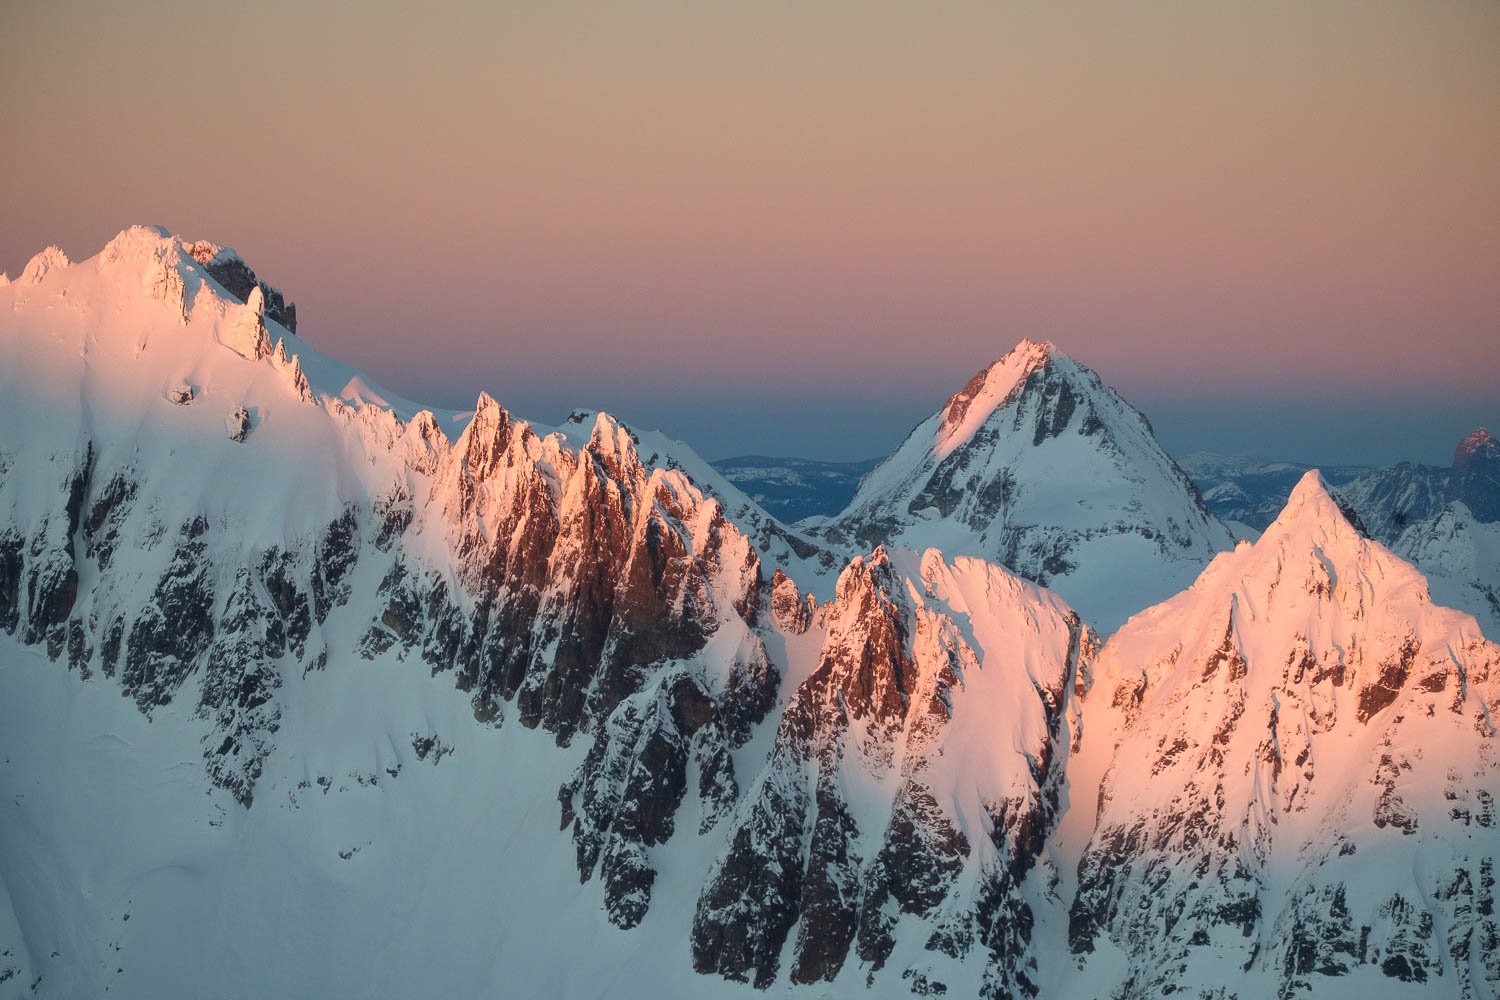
pixel 568 580
pixel 237 424
pixel 230 270
pixel 793 613
pixel 1303 708
pixel 898 685
pixel 1392 498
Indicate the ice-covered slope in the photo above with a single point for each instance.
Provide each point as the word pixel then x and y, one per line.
pixel 1302 763
pixel 1038 465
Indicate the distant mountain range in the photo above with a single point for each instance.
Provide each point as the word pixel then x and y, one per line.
pixel 1250 491
pixel 310 690
pixel 795 488
pixel 1245 489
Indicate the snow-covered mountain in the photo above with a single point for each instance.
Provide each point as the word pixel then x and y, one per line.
pixel 1461 556
pixel 1476 475
pixel 1037 465
pixel 1389 498
pixel 307 690
pixel 1299 758
pixel 1440 519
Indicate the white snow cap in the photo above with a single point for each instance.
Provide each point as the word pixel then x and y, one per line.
pixel 49 259
pixel 989 389
pixel 1311 501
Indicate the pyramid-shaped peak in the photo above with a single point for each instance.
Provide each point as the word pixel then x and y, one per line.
pixel 1311 488
pixel 1021 360
pixel 1313 502
pixel 1034 351
pixel 992 387
pixel 609 436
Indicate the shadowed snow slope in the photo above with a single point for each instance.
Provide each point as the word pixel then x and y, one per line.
pixel 1461 557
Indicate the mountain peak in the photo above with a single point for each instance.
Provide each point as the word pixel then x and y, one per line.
pixel 991 387
pixel 1476 475
pixel 485 404
pixel 1313 502
pixel 1479 442
pixel 1040 466
pixel 1312 488
pixel 36 269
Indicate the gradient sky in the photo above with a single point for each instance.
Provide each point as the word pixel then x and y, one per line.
pixel 795 228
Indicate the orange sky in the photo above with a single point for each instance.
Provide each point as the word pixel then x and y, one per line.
pixel 660 207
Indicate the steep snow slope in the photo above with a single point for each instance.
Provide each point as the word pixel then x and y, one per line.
pixel 1301 775
pixel 1438 519
pixel 1038 465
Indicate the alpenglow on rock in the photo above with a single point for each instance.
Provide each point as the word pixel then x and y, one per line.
pixel 1299 798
